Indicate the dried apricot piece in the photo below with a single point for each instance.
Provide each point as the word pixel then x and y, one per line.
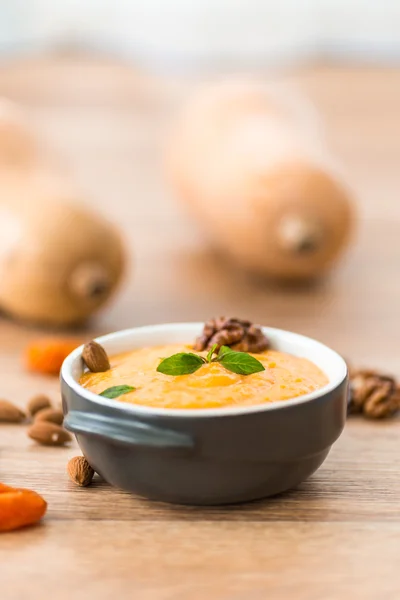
pixel 19 507
pixel 47 355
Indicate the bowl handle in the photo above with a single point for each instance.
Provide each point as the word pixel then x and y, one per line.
pixel 136 433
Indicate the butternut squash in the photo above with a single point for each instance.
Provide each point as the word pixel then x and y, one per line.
pixel 59 261
pixel 256 172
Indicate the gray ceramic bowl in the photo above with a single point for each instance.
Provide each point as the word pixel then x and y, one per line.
pixel 207 456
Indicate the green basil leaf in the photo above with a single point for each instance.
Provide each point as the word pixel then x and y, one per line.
pixel 182 363
pixel 211 352
pixel 117 390
pixel 241 363
pixel 222 351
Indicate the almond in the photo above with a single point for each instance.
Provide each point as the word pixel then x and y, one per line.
pixel 9 413
pixel 38 403
pixel 80 471
pixel 48 434
pixel 51 415
pixel 95 357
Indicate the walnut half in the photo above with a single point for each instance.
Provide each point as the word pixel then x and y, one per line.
pixel 238 334
pixel 373 394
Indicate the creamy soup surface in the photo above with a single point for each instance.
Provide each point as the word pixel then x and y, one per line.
pixel 212 386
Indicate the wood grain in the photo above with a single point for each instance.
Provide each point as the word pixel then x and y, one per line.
pixel 338 534
pixel 203 560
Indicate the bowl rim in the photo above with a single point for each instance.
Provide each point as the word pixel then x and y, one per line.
pixel 66 375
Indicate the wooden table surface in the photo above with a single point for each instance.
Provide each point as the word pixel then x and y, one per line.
pixel 338 534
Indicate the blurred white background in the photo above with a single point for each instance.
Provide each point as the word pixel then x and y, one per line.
pixel 187 33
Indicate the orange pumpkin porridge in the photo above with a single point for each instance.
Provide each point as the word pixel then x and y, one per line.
pixel 211 385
